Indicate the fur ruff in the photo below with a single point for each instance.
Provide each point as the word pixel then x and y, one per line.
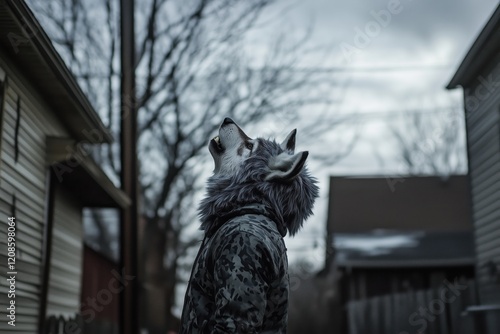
pixel 291 202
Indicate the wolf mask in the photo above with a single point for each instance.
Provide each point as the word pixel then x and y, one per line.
pixel 258 171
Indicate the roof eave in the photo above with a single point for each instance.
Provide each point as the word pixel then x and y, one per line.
pixel 483 49
pixel 73 166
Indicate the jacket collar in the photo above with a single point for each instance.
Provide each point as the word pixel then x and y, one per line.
pixel 255 208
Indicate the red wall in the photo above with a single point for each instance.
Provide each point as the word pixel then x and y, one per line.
pixel 99 300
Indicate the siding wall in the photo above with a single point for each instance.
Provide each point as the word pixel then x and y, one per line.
pixel 23 191
pixel 483 135
pixel 67 255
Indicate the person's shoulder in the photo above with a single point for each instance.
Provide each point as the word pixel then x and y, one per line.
pixel 259 226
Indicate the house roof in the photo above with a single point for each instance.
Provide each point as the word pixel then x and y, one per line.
pixel 485 47
pixel 73 167
pixel 417 203
pixel 396 249
pixel 23 39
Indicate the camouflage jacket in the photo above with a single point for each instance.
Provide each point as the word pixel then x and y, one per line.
pixel 239 282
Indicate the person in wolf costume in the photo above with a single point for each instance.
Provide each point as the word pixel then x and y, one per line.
pixel 260 190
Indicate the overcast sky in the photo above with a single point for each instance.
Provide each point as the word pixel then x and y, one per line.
pixel 395 63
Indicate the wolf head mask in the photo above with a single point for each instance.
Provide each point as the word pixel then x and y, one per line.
pixel 249 171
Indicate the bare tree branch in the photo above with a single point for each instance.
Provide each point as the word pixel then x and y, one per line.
pixel 431 144
pixel 192 69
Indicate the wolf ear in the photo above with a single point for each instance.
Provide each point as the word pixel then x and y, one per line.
pixel 285 167
pixel 288 145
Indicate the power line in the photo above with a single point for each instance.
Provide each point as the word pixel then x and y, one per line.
pixel 377 113
pixel 355 116
pixel 333 69
pixel 390 68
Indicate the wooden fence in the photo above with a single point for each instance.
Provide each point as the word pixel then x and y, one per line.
pixel 435 311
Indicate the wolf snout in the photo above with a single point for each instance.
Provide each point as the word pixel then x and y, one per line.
pixel 227 121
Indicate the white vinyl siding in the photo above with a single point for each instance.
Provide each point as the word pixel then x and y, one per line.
pixel 66 263
pixel 483 132
pixel 24 180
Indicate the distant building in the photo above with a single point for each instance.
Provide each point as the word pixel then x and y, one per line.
pixel 98 272
pixel 392 235
pixel 46 177
pixel 479 76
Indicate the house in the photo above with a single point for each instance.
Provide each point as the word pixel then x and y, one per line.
pixel 479 76
pixel 46 175
pixel 107 319
pixel 389 235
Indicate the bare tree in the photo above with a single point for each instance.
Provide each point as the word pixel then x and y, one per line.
pixel 431 143
pixel 192 70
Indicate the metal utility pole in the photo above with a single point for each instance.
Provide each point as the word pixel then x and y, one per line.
pixel 129 315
